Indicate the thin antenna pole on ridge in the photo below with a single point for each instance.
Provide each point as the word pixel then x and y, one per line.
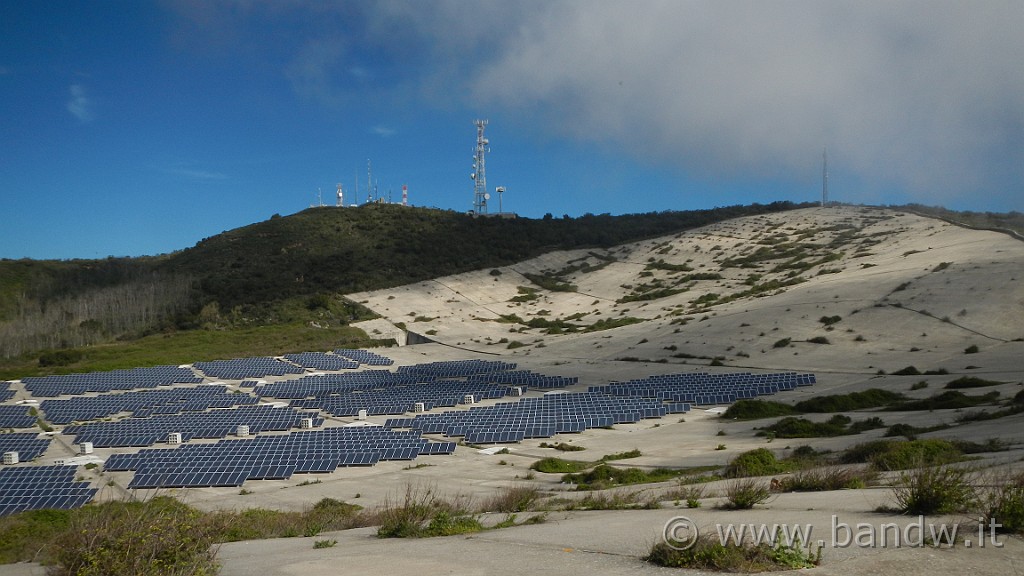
pixel 824 177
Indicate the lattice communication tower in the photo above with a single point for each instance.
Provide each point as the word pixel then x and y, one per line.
pixel 479 175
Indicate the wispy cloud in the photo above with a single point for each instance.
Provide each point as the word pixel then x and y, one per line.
pixel 920 96
pixel 80 105
pixel 383 131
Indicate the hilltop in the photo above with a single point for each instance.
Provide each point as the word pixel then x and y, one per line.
pixel 839 289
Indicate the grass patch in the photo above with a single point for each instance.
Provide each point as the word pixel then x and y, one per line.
pixel 421 513
pixel 709 553
pixel 826 479
pixel 519 498
pixel 745 493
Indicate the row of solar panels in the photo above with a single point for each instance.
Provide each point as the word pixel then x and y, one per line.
pixel 42 487
pixel 321 361
pixel 16 416
pixel 262 366
pixel 524 378
pixel 364 357
pixel 538 417
pixel 28 445
pixel 143 403
pixel 241 368
pixel 702 388
pixel 57 385
pixel 230 463
pixel 215 424
pixel 6 393
pixel 457 368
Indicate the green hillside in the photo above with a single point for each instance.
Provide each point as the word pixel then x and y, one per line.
pixel 286 272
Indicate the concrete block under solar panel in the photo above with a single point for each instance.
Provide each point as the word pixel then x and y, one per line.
pixel 11 458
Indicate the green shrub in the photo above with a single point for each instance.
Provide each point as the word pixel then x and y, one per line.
pixel 950 400
pixel 562 446
pixel 972 349
pixel 934 490
pixel 604 476
pixel 782 343
pixel 819 340
pixel 751 409
pixel 158 537
pixel 559 466
pixel 871 398
pixel 757 462
pixel 1003 504
pixel 970 382
pixel 908 371
pixel 901 455
pixel 634 453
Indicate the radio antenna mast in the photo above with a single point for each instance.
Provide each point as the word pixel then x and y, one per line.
pixel 479 175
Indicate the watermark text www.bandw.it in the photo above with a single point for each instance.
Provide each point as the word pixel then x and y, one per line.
pixel 682 533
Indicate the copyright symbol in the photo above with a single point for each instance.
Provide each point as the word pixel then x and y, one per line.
pixel 680 533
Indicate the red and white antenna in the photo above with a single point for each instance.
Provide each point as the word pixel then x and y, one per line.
pixel 405 195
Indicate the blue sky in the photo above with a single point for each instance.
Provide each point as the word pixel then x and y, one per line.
pixel 136 127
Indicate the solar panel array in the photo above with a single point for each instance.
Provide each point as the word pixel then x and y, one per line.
pixel 52 386
pixel 702 388
pixel 231 463
pixel 378 392
pixel 5 391
pixel 28 445
pixel 143 404
pixel 538 417
pixel 241 368
pixel 16 416
pixel 364 357
pixel 213 424
pixel 525 378
pixel 322 361
pixel 42 487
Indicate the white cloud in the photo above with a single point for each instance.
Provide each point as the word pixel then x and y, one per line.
pixel 383 131
pixel 80 105
pixel 922 96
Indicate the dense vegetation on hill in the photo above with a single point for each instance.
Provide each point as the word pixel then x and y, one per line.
pixel 289 270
